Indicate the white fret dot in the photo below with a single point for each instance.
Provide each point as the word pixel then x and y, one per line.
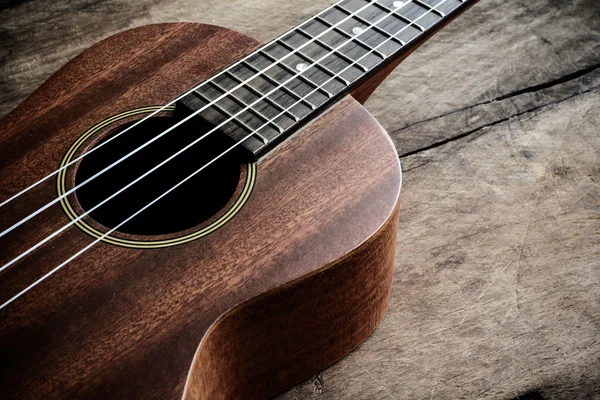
pixel 301 67
pixel 358 30
pixel 399 4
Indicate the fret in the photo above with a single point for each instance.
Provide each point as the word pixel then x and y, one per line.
pixel 253 105
pixel 244 97
pixel 291 63
pixel 336 37
pixel 356 25
pixel 421 12
pixel 347 34
pixel 314 27
pixel 396 26
pixel 262 109
pixel 364 31
pixel 242 72
pixel 243 121
pixel 326 46
pixel 239 114
pixel 228 115
pixel 225 82
pixel 391 9
pixel 415 13
pixel 430 8
pixel 288 78
pixel 276 83
pixel 259 87
pixel 267 99
pixel 355 21
pixel 376 36
pixel 445 7
pixel 314 53
pixel 363 56
pixel 298 108
pixel 233 129
pixel 371 15
pixel 365 23
pixel 333 16
pixel 318 73
pixel 353 48
pixel 288 65
pixel 336 61
pixel 262 120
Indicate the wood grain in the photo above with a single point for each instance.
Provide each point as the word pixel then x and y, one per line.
pixel 274 335
pixel 126 323
pixel 506 101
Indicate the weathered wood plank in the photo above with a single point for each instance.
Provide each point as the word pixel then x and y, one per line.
pixel 488 57
pixel 496 286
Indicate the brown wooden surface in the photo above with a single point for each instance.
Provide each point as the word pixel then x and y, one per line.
pixel 496 284
pixel 126 323
pixel 281 336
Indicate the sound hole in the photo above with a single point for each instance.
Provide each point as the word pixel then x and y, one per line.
pixel 190 204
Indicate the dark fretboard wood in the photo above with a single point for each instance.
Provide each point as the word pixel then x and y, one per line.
pixel 265 97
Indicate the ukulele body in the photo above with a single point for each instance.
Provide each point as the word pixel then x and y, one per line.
pixel 293 273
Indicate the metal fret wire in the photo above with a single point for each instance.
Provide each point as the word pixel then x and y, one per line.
pixel 72 190
pixel 172 102
pixel 44 277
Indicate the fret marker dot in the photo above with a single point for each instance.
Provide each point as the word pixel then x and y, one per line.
pixel 357 30
pixel 399 4
pixel 301 67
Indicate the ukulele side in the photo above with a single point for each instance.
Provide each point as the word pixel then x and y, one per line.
pixel 282 337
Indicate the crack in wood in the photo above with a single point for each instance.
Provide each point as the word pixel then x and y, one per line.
pixel 530 89
pixel 554 82
pixel 499 121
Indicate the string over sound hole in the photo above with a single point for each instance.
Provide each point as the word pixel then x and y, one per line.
pixel 190 204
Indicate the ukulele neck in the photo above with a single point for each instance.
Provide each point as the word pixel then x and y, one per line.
pixel 262 99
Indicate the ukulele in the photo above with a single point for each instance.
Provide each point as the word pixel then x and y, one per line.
pixel 188 213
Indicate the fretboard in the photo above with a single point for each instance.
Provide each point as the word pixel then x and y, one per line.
pixel 265 97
